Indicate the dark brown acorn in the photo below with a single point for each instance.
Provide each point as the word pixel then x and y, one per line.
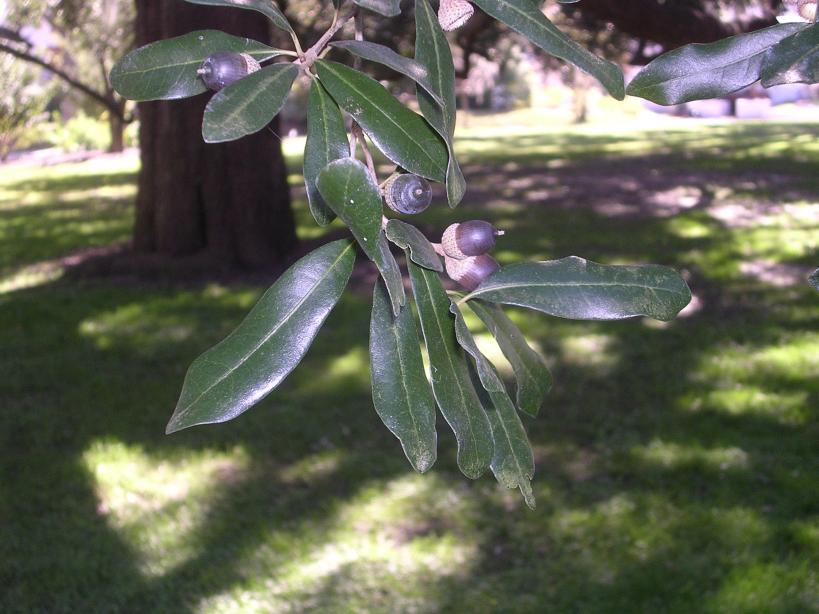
pixel 407 193
pixel 470 272
pixel 471 238
pixel 221 69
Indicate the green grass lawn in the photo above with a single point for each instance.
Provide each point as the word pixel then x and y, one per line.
pixel 677 464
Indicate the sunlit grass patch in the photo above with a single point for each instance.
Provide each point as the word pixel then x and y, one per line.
pixel 156 503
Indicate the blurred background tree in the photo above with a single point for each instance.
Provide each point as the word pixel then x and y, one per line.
pixel 77 42
pixel 200 200
pixel 23 101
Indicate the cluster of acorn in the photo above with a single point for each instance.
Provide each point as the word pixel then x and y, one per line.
pixel 464 246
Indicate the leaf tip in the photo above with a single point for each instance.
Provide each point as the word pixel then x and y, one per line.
pixel 528 496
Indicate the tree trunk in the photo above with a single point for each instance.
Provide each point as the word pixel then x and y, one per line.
pixel 116 127
pixel 230 201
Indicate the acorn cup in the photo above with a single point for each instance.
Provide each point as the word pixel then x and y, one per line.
pixel 407 193
pixel 470 272
pixel 467 239
pixel 221 69
pixel 807 9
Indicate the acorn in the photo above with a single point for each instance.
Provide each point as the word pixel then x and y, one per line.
pixel 471 238
pixel 407 193
pixel 452 14
pixel 807 9
pixel 221 69
pixel 470 272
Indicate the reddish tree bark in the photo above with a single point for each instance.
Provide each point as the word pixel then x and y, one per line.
pixel 230 201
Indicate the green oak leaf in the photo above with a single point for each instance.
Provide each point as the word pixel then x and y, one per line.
pixel 166 70
pixel 401 392
pixel 268 8
pixel 700 71
pixel 794 60
pixel 326 141
pixel 579 289
pixel 513 462
pixel 350 191
pixel 409 238
pixel 248 105
pixel 252 361
pixel 524 17
pixel 531 373
pixel 451 385
pixel 388 8
pixel 401 135
pixel 438 103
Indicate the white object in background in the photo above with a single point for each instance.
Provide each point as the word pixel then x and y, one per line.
pixel 452 14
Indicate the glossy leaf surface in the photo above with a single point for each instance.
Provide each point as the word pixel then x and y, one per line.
pixel 389 58
pixel 794 60
pixel 578 289
pixel 388 8
pixel 268 8
pixel 437 100
pixel 513 463
pixel 253 360
pixel 524 17
pixel 408 237
pixel 326 141
pixel 401 392
pixel 390 273
pixel 531 373
pixel 166 70
pixel 700 71
pixel 451 385
pixel 401 135
pixel 350 191
pixel 247 106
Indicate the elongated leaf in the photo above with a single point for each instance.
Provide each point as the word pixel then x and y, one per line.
pixel 525 17
pixel 253 360
pixel 409 238
pixel 388 8
pixel 401 392
pixel 389 58
pixel 326 141
pixel 391 274
pixel 403 136
pixel 268 8
pixel 248 105
pixel 451 385
pixel 700 71
pixel 531 374
pixel 794 60
pixel 166 70
pixel 513 463
pixel 578 289
pixel 350 191
pixel 437 99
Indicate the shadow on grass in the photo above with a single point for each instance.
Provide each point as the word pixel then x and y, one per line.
pixel 676 463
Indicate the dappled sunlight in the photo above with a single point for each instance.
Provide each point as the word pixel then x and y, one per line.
pixel 386 546
pixel 157 505
pixel 594 351
pixel 147 326
pixel 671 455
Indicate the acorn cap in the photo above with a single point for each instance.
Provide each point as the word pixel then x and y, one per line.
pixel 471 238
pixel 226 67
pixel 407 193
